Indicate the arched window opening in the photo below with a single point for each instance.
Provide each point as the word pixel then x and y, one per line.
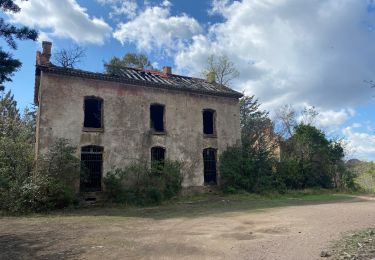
pixel 209 161
pixel 92 167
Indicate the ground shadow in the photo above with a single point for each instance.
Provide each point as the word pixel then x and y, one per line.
pixel 32 246
pixel 211 205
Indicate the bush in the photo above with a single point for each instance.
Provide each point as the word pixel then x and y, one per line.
pixel 50 186
pixel 244 171
pixel 139 185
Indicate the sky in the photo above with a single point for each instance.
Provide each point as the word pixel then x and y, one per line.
pixel 289 52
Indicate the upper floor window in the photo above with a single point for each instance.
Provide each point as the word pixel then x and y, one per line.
pixel 209 122
pixel 93 112
pixel 157 117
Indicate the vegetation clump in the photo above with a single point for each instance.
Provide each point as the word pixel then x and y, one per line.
pixel 266 161
pixel 137 184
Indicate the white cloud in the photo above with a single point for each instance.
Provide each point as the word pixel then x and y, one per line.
pixel 330 118
pixel 63 19
pixel 128 8
pixel 356 125
pixel 361 145
pixel 292 51
pixel 154 27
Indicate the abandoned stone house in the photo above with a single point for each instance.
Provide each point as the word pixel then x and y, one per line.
pixel 135 115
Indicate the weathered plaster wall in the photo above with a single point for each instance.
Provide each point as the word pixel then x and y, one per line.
pixel 126 136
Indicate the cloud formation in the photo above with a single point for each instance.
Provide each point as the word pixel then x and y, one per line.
pixel 360 144
pixel 292 51
pixel 63 19
pixel 128 8
pixel 155 27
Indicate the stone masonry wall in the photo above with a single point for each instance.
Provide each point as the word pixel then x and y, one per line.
pixel 127 136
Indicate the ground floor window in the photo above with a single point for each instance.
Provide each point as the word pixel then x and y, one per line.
pixel 157 154
pixel 92 162
pixel 157 159
pixel 209 161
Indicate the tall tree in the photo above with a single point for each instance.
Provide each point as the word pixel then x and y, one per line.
pixel 286 120
pixel 221 68
pixel 10 118
pixel 10 33
pixel 132 60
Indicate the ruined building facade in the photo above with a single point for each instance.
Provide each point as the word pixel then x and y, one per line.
pixel 135 115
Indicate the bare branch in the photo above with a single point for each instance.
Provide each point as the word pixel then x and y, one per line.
pixel 223 69
pixel 69 58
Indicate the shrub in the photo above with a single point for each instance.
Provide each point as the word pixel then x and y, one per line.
pixel 49 186
pixel 243 170
pixel 137 184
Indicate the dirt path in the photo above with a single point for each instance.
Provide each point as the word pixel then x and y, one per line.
pixel 295 232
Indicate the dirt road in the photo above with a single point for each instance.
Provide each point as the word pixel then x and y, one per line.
pixel 295 232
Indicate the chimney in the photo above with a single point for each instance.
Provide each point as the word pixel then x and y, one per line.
pixel 44 57
pixel 167 70
pixel 211 77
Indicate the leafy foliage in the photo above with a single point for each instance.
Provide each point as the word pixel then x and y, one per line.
pixel 364 174
pixel 138 184
pixel 10 34
pixel 307 158
pixel 24 187
pixel 49 186
pixel 249 166
pixel 313 153
pixel 132 60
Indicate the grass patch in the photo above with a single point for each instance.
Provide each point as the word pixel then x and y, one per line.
pixel 212 204
pixel 359 245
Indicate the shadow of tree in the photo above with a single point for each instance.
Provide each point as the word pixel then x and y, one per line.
pixel 33 246
pixel 210 206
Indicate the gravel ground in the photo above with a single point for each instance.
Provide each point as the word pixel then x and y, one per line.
pixel 294 232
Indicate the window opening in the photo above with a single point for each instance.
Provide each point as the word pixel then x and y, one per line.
pixel 92 164
pixel 209 160
pixel 157 159
pixel 157 117
pixel 157 154
pixel 209 122
pixel 93 113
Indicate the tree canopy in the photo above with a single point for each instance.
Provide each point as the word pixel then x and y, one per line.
pixel 132 60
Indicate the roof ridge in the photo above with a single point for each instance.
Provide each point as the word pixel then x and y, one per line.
pixel 151 79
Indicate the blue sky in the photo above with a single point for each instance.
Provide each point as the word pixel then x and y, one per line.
pixel 304 53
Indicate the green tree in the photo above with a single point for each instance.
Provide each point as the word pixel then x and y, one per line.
pixel 132 60
pixel 316 160
pixel 249 165
pixel 10 33
pixel 10 118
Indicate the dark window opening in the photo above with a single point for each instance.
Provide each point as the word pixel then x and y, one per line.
pixel 92 165
pixel 209 160
pixel 93 113
pixel 208 122
pixel 157 117
pixel 157 154
pixel 157 159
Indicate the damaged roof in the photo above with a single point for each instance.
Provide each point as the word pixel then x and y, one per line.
pixel 147 78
